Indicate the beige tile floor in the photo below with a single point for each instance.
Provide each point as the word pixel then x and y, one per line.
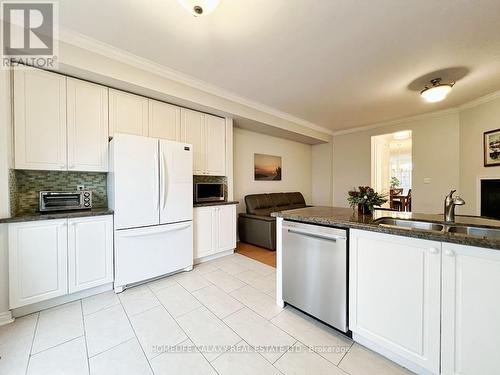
pixel 218 319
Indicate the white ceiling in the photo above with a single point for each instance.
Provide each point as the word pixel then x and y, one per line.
pixel 336 63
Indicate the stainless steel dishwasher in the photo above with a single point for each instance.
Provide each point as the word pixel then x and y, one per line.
pixel 314 267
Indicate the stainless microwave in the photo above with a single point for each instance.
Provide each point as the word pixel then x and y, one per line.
pixel 208 192
pixel 65 200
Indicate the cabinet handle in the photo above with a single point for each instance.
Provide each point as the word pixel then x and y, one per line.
pixel 433 250
pixel 449 253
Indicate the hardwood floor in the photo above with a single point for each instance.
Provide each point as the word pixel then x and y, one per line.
pixel 258 253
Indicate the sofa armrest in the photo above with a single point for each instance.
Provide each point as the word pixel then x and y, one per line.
pixel 257 230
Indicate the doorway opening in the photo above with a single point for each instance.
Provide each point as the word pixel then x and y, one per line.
pixel 391 170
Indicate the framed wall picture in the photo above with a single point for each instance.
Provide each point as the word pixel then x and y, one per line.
pixel 267 167
pixel 492 148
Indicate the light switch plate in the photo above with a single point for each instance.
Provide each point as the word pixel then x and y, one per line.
pixel 427 180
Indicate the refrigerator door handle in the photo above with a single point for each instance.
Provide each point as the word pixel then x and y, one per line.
pixel 157 192
pixel 158 230
pixel 165 180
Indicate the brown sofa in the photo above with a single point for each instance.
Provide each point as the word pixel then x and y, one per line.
pixel 256 226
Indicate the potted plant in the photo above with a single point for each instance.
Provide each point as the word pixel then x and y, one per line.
pixel 394 182
pixel 366 199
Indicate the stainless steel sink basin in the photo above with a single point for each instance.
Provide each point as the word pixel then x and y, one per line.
pixel 475 231
pixel 409 224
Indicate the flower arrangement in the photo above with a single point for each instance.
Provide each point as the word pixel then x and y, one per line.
pixel 366 199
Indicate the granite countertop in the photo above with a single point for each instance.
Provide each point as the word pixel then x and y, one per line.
pixel 340 217
pixel 218 203
pixel 35 216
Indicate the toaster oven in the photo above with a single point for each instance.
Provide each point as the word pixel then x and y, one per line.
pixel 65 200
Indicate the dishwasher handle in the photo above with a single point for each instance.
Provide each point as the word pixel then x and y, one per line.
pixel 316 235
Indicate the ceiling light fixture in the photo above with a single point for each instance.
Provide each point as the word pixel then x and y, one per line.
pixel 199 7
pixel 437 92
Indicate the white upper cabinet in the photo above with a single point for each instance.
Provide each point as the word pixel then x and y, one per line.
pixel 470 311
pixel 215 130
pixel 193 132
pixel 39 120
pixel 87 126
pixel 128 113
pixel 164 121
pixel 207 134
pixel 394 295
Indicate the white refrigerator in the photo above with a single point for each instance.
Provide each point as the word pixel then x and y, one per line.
pixel 150 189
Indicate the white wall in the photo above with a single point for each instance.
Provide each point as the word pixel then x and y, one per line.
pixel 473 123
pixel 322 173
pixel 5 159
pixel 435 156
pixel 296 165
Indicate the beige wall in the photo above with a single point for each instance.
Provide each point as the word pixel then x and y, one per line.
pixel 473 123
pixel 322 174
pixel 296 165
pixel 435 156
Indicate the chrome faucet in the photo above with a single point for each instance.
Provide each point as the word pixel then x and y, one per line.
pixel 449 206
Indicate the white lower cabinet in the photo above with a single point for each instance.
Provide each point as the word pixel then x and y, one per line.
pixel 52 258
pixel 470 311
pixel 37 261
pixel 90 252
pixel 214 230
pixel 395 295
pixel 431 306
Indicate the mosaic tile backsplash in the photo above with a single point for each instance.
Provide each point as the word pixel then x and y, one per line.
pixel 25 186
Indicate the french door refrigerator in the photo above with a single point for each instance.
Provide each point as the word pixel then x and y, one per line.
pixel 150 189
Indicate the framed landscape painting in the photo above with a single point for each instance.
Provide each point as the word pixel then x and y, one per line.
pixel 492 148
pixel 267 167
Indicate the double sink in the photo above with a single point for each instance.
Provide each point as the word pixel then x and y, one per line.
pixel 444 228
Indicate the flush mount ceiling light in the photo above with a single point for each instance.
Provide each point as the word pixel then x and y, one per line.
pixel 199 7
pixel 437 91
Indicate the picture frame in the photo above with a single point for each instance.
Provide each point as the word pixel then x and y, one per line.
pixel 491 148
pixel 267 167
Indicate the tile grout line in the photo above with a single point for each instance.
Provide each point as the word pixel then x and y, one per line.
pixel 85 337
pixel 32 343
pixel 135 334
pixel 188 338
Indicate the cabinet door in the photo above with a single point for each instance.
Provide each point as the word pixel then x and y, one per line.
pixel 226 227
pixel 39 120
pixel 128 113
pixel 87 126
pixel 204 229
pixel 394 297
pixel 90 252
pixel 471 310
pixel 215 130
pixel 37 261
pixel 164 121
pixel 192 131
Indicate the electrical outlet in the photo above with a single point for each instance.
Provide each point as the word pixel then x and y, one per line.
pixel 80 187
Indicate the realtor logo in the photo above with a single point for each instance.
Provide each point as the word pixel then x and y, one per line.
pixel 29 33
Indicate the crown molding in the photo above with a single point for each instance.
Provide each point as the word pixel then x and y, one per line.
pixel 473 103
pixel 402 120
pixel 109 51
pixel 481 100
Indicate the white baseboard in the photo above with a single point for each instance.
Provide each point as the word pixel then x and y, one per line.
pixel 6 318
pixel 213 256
pixel 391 356
pixel 29 309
